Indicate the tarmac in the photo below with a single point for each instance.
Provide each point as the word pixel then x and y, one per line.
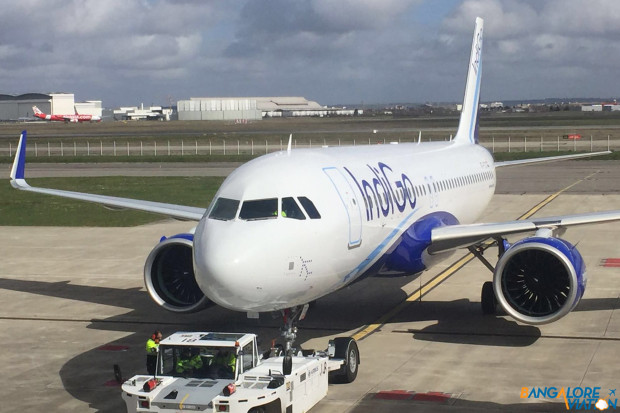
pixel 73 305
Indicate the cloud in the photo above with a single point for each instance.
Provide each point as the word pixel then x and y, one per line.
pixel 331 51
pixel 65 43
pixel 553 48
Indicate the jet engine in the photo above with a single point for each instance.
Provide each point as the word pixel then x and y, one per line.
pixel 169 275
pixel 539 279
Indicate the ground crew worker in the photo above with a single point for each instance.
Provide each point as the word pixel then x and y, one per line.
pixel 152 348
pixel 189 362
pixel 226 360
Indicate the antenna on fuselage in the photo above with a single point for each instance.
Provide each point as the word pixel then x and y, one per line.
pixel 290 142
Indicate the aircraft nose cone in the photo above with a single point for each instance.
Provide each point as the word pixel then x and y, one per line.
pixel 227 268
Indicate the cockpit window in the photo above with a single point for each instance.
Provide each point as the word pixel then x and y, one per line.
pixel 224 209
pixel 309 207
pixel 259 209
pixel 290 209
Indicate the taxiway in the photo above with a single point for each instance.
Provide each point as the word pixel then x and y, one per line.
pixel 73 305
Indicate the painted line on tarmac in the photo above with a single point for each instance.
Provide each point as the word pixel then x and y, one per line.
pixel 448 272
pixel 552 197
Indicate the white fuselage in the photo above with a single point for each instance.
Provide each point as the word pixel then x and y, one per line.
pixel 377 206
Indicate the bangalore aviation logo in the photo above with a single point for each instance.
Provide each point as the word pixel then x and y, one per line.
pixel 575 398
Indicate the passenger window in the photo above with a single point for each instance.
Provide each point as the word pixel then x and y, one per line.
pixel 290 209
pixel 309 207
pixel 224 209
pixel 259 209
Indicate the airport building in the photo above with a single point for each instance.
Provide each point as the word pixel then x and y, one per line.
pixel 142 113
pixel 255 108
pixel 19 107
pixel 603 107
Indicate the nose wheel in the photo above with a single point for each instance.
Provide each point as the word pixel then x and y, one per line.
pixel 289 330
pixel 289 334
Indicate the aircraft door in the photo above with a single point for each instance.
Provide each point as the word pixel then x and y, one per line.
pixel 431 185
pixel 350 203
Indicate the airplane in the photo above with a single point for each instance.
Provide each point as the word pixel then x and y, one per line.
pixel 288 228
pixel 66 118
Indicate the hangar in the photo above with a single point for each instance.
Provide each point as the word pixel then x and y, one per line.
pixel 255 108
pixel 19 107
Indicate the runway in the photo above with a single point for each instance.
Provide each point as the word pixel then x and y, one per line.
pixel 73 304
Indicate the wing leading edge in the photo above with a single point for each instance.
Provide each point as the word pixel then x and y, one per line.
pixel 18 181
pixel 460 236
pixel 549 159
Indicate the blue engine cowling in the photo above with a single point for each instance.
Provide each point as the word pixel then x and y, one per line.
pixel 539 280
pixel 169 275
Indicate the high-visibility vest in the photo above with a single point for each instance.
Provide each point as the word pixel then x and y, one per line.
pixel 187 364
pixel 196 362
pixel 229 361
pixel 182 365
pixel 151 347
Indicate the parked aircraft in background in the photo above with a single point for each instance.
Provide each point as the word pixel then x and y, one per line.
pixel 65 118
pixel 290 227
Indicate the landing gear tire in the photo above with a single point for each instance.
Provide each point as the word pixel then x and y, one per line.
pixel 287 365
pixel 488 301
pixel 346 348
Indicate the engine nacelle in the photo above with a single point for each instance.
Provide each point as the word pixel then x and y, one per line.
pixel 169 275
pixel 539 280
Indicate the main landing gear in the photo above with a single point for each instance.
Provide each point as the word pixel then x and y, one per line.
pixel 488 301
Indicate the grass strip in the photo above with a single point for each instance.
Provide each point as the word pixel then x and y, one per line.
pixel 19 208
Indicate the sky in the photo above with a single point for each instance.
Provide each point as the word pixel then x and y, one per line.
pixel 127 52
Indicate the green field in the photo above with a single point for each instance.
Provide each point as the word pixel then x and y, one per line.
pixel 21 208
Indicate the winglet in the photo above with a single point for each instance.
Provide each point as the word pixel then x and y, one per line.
pixel 290 143
pixel 468 124
pixel 19 164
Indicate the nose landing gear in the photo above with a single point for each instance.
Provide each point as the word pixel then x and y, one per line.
pixel 342 352
pixel 289 334
pixel 289 330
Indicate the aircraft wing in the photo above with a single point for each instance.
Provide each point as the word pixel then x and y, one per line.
pixel 18 181
pixel 461 236
pixel 549 159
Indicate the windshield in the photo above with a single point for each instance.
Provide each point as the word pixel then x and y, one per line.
pixel 198 362
pixel 224 209
pixel 290 209
pixel 309 207
pixel 259 209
